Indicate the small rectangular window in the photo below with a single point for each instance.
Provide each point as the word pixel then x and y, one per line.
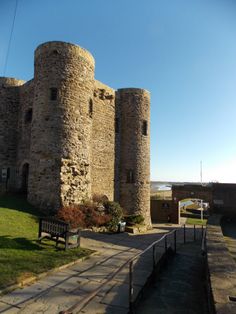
pixel 117 125
pixel 130 176
pixel 53 93
pixel 144 127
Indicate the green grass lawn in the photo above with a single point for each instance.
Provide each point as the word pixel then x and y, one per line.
pixel 196 221
pixel 20 254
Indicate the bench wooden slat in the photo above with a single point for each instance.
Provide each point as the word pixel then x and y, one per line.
pixel 59 229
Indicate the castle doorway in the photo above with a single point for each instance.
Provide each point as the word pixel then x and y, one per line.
pixel 24 180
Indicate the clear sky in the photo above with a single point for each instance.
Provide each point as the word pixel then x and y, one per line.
pixel 182 51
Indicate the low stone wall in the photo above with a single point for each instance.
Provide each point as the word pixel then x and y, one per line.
pixel 221 269
pixel 164 211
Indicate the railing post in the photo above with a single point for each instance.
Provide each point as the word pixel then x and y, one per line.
pixel 194 232
pixel 153 257
pixel 165 243
pixel 175 241
pixel 131 288
pixel 184 235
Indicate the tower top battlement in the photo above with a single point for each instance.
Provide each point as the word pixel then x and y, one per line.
pixel 60 47
pixel 10 81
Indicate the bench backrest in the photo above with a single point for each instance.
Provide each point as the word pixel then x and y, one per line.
pixel 53 226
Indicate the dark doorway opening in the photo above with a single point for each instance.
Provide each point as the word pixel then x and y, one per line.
pixel 25 176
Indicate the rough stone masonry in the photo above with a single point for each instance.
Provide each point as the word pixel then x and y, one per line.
pixel 65 136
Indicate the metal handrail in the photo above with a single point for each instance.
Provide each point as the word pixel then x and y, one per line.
pixel 204 241
pixel 81 304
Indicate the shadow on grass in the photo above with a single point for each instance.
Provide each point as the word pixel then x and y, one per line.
pixel 20 203
pixel 6 242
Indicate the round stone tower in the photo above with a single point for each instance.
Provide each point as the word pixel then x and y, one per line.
pixel 61 127
pixel 134 106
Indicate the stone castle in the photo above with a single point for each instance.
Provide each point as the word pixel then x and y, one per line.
pixel 65 136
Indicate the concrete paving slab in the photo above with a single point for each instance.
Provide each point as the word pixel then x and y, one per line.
pixel 119 296
pixel 58 277
pixel 90 286
pixel 86 264
pixel 8 309
pixel 96 307
pixel 54 301
pixel 98 273
pixel 116 261
pixel 63 289
pixel 19 296
pixel 72 284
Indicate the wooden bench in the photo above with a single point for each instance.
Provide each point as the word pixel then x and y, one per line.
pixel 58 231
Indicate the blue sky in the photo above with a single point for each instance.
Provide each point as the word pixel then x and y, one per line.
pixel 182 51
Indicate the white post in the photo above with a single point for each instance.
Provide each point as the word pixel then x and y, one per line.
pixel 179 211
pixel 201 171
pixel 201 210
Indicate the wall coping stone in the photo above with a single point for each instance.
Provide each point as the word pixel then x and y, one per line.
pixel 221 268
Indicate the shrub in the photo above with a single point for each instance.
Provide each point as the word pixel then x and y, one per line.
pixel 85 215
pixel 90 214
pixel 134 219
pixel 115 211
pixel 99 198
pixel 72 215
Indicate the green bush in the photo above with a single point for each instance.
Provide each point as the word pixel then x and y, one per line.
pixel 115 211
pixel 134 219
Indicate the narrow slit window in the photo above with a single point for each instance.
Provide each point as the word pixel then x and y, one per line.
pixel 144 127
pixel 117 125
pixel 28 116
pixel 91 108
pixel 8 173
pixel 130 176
pixel 53 93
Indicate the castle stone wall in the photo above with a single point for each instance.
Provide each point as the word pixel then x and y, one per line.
pixel 103 141
pixel 66 136
pixel 25 121
pixel 9 110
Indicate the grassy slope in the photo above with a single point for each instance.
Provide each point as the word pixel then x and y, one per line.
pixel 196 221
pixel 20 254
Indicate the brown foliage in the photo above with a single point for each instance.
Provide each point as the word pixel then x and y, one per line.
pixel 99 198
pixel 73 215
pixel 84 215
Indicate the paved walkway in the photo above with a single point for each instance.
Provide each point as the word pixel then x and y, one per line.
pixel 229 231
pixel 63 289
pixel 180 287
